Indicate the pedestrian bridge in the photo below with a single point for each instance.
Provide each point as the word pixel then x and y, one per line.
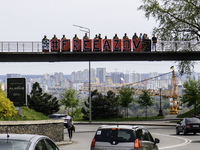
pixel 161 46
pixel 31 51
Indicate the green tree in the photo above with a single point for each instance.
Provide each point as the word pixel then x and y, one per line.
pixel 42 102
pixel 7 108
pixel 144 100
pixel 103 106
pixel 70 99
pixel 178 20
pixel 126 97
pixel 191 95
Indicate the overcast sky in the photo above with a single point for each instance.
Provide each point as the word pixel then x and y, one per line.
pixel 30 20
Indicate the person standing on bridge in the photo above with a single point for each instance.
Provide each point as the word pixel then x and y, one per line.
pixel 75 37
pixel 125 36
pixel 86 37
pixel 154 40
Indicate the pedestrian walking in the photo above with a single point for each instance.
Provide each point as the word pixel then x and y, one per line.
pixel 70 128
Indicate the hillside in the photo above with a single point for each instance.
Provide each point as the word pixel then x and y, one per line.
pixel 27 114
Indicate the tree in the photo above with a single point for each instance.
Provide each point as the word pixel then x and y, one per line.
pixel 144 100
pixel 103 106
pixel 42 102
pixel 191 95
pixel 70 99
pixel 178 20
pixel 126 97
pixel 7 108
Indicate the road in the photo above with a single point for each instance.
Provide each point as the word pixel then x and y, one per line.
pixel 168 139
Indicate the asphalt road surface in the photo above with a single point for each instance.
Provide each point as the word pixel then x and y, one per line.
pixel 168 139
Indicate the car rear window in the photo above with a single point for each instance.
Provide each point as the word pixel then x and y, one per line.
pixel 13 144
pixel 121 135
pixel 192 120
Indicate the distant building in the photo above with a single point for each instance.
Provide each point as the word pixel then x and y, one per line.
pixel 13 75
pixel 101 74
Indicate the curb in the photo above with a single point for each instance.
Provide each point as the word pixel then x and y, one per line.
pixel 149 123
pixel 63 143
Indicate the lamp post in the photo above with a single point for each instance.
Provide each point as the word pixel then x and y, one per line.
pixel 87 30
pixel 160 111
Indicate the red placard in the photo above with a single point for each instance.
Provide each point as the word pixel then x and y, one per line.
pixel 137 45
pixel 76 45
pixel 87 45
pixel 107 45
pixel 117 45
pixel 97 45
pixel 127 45
pixel 55 45
pixel 65 45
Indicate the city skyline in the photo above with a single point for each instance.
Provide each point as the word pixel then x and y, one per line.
pixel 65 67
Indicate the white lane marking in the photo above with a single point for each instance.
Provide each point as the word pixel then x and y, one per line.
pixel 187 141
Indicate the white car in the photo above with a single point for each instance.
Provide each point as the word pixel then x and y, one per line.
pixel 26 142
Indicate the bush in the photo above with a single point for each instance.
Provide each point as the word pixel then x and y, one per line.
pixel 7 108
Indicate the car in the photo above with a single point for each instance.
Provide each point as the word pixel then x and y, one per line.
pixel 188 125
pixel 126 137
pixel 61 116
pixel 26 142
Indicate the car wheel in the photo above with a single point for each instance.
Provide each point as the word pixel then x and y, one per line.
pixel 194 133
pixel 184 132
pixel 177 132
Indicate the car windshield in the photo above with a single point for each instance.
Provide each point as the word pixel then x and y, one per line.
pixel 13 144
pixel 121 135
pixel 192 120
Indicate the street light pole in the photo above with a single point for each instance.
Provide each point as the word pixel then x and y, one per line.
pixel 87 29
pixel 160 111
pixel 90 101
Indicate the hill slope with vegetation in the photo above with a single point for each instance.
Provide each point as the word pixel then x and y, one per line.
pixel 27 114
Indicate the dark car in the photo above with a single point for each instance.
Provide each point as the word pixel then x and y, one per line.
pixel 26 142
pixel 60 116
pixel 188 125
pixel 126 137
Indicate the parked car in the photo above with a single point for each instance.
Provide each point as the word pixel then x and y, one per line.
pixel 124 137
pixel 26 142
pixel 188 125
pixel 60 116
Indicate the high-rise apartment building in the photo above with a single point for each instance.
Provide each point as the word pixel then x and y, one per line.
pixel 101 74
pixel 116 76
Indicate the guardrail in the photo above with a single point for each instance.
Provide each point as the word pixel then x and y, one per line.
pixel 36 46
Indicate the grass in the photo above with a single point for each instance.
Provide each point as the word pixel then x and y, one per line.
pixel 189 113
pixel 27 114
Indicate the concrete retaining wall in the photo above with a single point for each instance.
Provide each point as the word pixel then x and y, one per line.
pixel 51 128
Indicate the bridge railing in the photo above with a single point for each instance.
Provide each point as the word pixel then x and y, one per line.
pixel 36 46
pixel 20 46
pixel 177 45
